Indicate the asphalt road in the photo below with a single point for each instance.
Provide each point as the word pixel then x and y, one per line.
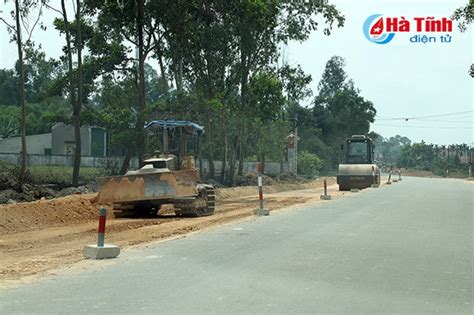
pixel 404 248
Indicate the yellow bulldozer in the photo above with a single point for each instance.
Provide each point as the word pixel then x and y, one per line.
pixel 358 169
pixel 168 177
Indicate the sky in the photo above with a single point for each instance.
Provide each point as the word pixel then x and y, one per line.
pixel 401 78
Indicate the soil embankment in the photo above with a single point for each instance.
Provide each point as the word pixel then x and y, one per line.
pixel 42 235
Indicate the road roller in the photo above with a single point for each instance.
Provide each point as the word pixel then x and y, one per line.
pixel 358 169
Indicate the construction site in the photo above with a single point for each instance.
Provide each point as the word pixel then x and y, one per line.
pixel 236 157
pixel 46 234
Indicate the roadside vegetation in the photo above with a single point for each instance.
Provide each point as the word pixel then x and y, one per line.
pixel 446 161
pixel 219 66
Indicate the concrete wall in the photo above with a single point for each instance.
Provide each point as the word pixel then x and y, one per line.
pixel 249 167
pixel 35 144
pixel 62 135
pixel 91 161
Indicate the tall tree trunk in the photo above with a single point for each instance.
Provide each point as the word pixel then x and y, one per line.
pixel 281 164
pixel 77 107
pixel 226 149
pixel 199 152
pixel 163 72
pixel 179 72
pixel 232 161
pixel 240 169
pixel 24 155
pixel 210 151
pixel 126 162
pixel 229 179
pixel 72 88
pixel 243 104
pixel 140 142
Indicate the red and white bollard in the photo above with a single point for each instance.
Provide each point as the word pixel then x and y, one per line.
pixel 101 229
pixel 261 209
pixel 325 196
pixel 101 250
pixel 389 177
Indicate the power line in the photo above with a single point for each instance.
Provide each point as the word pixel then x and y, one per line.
pixel 431 127
pixel 422 117
pixel 449 121
pixel 446 121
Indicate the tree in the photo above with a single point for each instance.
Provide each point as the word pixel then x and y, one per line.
pixel 387 150
pixel 339 109
pixel 75 102
pixel 9 91
pixel 77 106
pixel 105 53
pixel 73 34
pixel 334 78
pixel 21 12
pixel 135 22
pixel 260 23
pixel 266 102
pixel 465 17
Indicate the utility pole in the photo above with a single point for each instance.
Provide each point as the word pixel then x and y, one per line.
pixel 296 144
pixel 292 148
pixel 470 162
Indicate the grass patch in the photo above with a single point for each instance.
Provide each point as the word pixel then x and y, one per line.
pixel 43 174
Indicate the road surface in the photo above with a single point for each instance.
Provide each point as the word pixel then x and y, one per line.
pixel 403 248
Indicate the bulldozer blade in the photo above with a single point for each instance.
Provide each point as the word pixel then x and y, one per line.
pixel 151 186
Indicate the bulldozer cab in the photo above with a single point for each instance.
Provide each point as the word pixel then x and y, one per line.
pixel 174 135
pixel 161 162
pixel 359 150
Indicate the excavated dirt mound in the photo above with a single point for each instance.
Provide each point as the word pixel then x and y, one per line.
pixel 250 179
pixel 39 214
pixel 244 191
pixel 43 235
pixel 75 209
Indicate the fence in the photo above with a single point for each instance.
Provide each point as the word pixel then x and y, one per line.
pixel 92 161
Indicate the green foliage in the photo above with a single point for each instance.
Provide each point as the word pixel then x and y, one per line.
pixel 39 119
pixel 339 109
pixel 271 140
pixel 464 15
pixel 309 164
pixel 295 82
pixel 39 76
pixel 441 160
pixel 334 79
pixel 419 155
pixel 9 94
pixel 265 97
pixel 9 121
pixel 217 67
pixel 42 109
pixel 387 150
